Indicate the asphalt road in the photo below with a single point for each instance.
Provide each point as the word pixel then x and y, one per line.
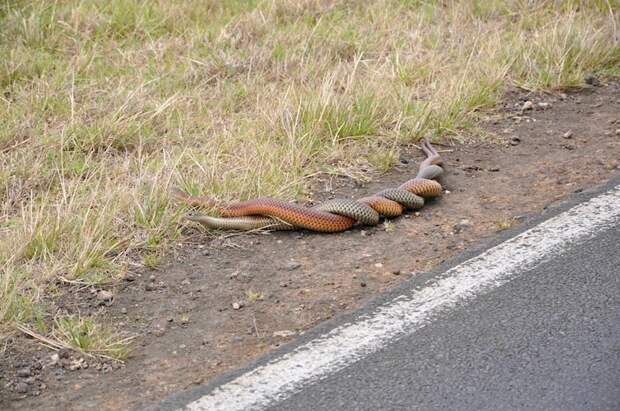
pixel 548 340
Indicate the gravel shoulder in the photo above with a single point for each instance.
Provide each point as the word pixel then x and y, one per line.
pixel 222 301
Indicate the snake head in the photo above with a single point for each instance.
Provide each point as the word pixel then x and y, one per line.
pixel 191 216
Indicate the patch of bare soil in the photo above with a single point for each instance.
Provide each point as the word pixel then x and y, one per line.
pixel 221 302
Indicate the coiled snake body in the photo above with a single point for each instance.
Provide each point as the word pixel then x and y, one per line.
pixel 330 216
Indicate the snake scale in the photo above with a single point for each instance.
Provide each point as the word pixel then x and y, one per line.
pixel 331 216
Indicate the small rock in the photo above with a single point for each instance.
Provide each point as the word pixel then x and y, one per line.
pixel 159 327
pixel 76 364
pixel 568 134
pixel 185 282
pixel 293 265
pixel 396 272
pixel 54 358
pixel 363 284
pixel 152 277
pixel 563 96
pixel 528 105
pixel 515 141
pixel 237 306
pixel 378 265
pixel 24 372
pixel 123 310
pixel 21 387
pixel 461 225
pixel 284 333
pixel 105 296
pixel 150 287
pixel 618 131
pixel 543 105
pixel 591 79
pixel 494 169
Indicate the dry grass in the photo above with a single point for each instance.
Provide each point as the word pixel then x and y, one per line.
pixel 106 104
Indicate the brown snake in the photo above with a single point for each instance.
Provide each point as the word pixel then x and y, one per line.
pixel 331 216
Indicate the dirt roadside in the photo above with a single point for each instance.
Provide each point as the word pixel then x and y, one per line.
pixel 222 301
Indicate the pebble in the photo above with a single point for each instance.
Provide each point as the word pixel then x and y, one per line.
pixel 159 327
pixel 152 277
pixel 528 105
pixel 363 284
pixel 378 265
pixel 237 306
pixel 515 141
pixel 54 358
pixel 150 287
pixel 568 134
pixel 544 105
pixel 123 310
pixel 592 80
pixel 24 372
pixel 105 296
pixel 185 282
pixel 618 132
pixel 293 265
pixel 396 272
pixel 21 387
pixel 461 225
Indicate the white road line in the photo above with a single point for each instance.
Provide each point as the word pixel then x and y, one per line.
pixel 348 343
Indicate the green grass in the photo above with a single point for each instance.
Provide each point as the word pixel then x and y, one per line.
pixel 86 335
pixel 104 105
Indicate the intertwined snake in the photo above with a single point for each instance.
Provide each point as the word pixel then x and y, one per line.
pixel 330 216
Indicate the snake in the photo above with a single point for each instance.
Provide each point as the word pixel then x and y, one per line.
pixel 329 217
